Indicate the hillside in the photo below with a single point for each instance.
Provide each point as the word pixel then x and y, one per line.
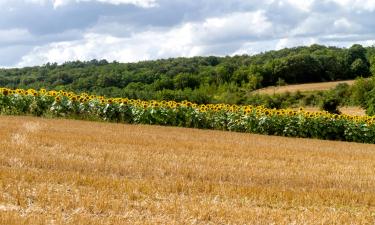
pixel 199 79
pixel 63 171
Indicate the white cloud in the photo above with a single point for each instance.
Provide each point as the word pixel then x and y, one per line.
pixel 251 48
pixel 303 5
pixel 344 25
pixel 172 28
pixel 366 5
pixel 290 42
pixel 189 39
pixel 235 25
pixel 59 3
pixel 141 46
pixel 310 26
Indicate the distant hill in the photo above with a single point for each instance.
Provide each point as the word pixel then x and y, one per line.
pixel 199 79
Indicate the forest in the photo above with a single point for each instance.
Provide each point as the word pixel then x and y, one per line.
pixel 211 79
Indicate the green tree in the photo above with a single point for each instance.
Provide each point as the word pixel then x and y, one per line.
pixel 359 68
pixel 357 61
pixel 183 80
pixel 356 52
pixel 359 91
pixel 370 103
pixel 372 63
pixel 299 69
pixel 224 72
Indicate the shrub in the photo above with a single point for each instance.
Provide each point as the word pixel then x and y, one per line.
pixel 331 105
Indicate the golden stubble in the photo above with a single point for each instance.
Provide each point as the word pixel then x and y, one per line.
pixel 320 86
pixel 78 172
pixel 347 110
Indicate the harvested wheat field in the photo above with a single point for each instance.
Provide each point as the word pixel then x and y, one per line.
pixel 321 86
pixel 348 110
pixel 79 172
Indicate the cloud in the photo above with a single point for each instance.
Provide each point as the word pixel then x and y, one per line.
pixel 290 42
pixel 59 3
pixel 365 5
pixel 10 54
pixel 41 31
pixel 14 35
pixel 303 5
pixel 189 39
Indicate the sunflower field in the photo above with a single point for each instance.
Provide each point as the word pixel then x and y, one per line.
pixel 251 119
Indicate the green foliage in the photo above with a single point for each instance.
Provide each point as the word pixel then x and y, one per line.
pixel 229 93
pixel 281 82
pixel 356 52
pixel 369 96
pixel 207 78
pixel 301 68
pixel 360 68
pixel 372 63
pixel 311 99
pixel 360 89
pixel 182 81
pixel 370 103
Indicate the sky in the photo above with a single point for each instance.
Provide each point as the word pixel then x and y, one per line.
pixel 34 32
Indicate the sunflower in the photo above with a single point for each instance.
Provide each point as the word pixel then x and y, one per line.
pixel 5 92
pixel 292 113
pixel 248 110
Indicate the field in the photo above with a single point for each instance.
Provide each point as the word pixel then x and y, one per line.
pixel 77 172
pixel 240 118
pixel 321 86
pixel 349 110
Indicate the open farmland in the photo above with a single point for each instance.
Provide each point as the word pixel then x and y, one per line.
pixel 321 86
pixel 348 110
pixel 240 118
pixel 79 172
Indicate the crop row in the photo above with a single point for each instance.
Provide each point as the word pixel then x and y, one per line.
pixel 260 120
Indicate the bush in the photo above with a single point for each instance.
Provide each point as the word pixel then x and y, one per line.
pixel 370 103
pixel 331 105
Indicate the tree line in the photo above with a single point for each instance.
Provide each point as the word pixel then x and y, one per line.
pixel 209 79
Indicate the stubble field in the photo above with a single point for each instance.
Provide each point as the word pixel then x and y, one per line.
pixel 78 172
pixel 320 86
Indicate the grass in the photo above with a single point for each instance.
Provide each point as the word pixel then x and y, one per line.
pixel 79 172
pixel 321 86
